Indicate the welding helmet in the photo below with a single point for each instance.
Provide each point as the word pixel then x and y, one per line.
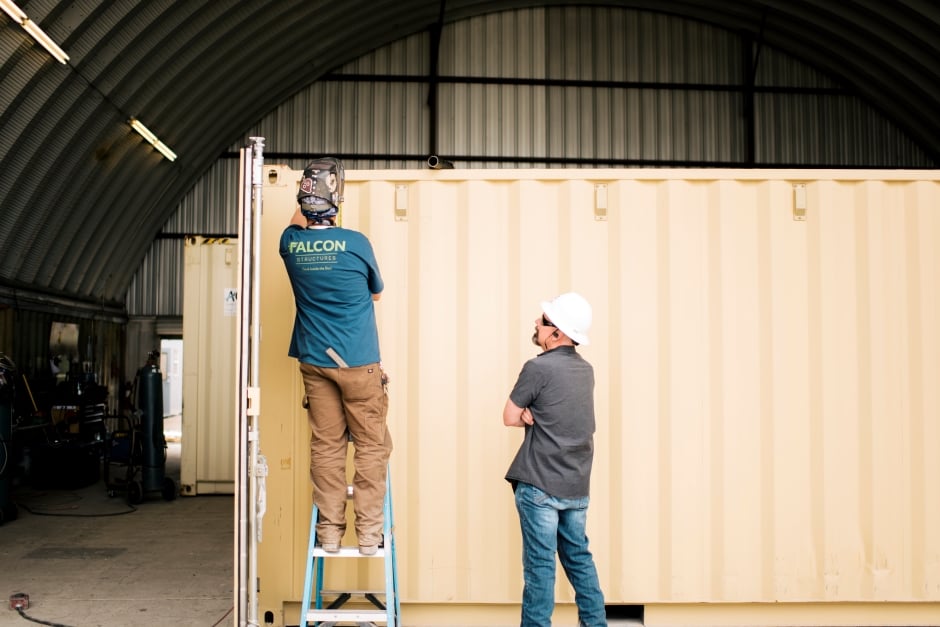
pixel 321 188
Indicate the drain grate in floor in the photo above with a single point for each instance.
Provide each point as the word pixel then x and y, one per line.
pixel 75 553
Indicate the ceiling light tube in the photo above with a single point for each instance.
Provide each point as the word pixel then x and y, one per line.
pixel 147 134
pixel 143 130
pixel 165 150
pixel 13 11
pixel 33 29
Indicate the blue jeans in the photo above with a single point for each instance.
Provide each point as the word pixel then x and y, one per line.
pixel 551 525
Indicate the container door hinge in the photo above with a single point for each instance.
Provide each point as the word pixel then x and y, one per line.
pixel 600 201
pixel 401 202
pixel 799 202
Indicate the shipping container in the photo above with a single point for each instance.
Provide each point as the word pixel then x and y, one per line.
pixel 767 354
pixel 210 318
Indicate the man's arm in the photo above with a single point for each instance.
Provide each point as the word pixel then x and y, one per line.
pixel 515 416
pixel 298 218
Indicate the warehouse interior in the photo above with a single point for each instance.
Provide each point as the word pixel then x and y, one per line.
pixel 96 214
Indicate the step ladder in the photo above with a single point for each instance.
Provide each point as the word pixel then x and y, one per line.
pixel 386 605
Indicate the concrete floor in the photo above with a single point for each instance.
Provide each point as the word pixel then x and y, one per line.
pixel 89 560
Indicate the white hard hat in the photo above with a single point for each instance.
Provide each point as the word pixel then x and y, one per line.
pixel 572 314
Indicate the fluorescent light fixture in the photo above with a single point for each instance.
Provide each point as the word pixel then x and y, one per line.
pixel 13 11
pixel 33 29
pixel 147 134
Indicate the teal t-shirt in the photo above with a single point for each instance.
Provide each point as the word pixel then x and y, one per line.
pixel 333 274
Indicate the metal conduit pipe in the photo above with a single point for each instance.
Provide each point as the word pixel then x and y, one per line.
pixel 436 163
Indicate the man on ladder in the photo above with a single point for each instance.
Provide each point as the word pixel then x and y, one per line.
pixel 335 279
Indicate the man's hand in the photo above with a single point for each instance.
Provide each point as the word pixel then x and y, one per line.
pixel 515 416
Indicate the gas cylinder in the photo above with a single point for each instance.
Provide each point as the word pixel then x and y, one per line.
pixel 152 441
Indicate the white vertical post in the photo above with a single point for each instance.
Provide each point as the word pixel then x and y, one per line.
pixel 252 406
pixel 249 478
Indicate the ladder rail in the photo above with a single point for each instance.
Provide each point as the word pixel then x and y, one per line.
pixel 392 606
pixel 310 564
pixel 390 610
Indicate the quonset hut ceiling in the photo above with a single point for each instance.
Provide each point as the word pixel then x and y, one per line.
pixel 82 196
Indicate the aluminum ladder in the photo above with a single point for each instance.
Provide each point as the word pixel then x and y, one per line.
pixel 387 606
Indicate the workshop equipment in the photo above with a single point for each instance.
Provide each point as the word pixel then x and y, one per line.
pixel 7 388
pixel 153 443
pixel 138 444
pixel 19 601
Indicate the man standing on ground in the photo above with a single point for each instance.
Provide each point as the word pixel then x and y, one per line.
pixel 553 398
pixel 335 279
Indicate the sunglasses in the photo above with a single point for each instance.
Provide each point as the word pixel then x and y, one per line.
pixel 546 322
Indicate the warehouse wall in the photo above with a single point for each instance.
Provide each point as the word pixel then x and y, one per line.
pixel 767 347
pixel 547 87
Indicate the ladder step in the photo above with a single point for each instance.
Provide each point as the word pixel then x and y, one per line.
pixel 360 616
pixel 361 593
pixel 345 551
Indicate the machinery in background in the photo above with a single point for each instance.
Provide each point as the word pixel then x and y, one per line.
pixel 60 444
pixel 138 446
pixel 7 388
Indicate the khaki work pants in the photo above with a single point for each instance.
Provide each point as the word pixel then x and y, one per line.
pixel 348 404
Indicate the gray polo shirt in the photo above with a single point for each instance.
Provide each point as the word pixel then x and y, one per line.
pixel 558 450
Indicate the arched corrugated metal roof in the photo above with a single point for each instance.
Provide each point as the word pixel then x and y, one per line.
pixel 82 196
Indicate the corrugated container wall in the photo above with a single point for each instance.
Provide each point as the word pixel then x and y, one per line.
pixel 207 463
pixel 559 87
pixel 767 352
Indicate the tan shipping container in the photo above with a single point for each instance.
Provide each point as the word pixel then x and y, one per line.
pixel 767 352
pixel 210 318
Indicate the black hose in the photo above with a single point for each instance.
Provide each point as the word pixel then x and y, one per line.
pixel 36 620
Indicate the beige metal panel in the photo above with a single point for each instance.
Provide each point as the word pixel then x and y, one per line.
pixel 281 423
pixel 768 417
pixel 207 462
